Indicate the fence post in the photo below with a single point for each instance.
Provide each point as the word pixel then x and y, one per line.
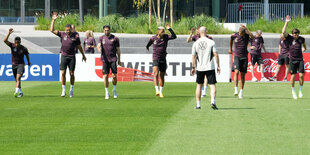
pixel 266 9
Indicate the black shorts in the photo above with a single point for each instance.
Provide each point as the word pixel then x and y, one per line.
pixel 161 64
pixel 282 59
pixel 256 59
pixel 67 61
pixel 209 74
pixel 241 64
pixel 107 66
pixel 18 69
pixel 297 65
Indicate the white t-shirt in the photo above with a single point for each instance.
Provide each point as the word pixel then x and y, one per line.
pixel 203 48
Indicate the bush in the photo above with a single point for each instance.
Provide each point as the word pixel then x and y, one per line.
pixel 134 24
pixel 275 26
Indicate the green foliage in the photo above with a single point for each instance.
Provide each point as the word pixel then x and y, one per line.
pixel 276 26
pixel 133 24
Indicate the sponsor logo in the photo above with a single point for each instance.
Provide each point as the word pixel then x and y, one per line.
pixel 34 70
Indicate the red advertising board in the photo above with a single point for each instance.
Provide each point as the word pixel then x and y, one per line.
pixel 270 64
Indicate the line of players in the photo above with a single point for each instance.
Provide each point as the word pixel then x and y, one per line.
pixel 203 51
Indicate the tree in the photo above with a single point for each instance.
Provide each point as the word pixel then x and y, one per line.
pixel 139 4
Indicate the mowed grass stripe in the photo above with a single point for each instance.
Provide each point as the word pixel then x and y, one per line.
pixel 44 123
pixel 266 121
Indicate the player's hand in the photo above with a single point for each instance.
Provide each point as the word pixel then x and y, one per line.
pixel 303 50
pixel 55 16
pixel 218 70
pixel 84 58
pixel 29 63
pixel 147 49
pixel 243 26
pixel 287 19
pixel 167 26
pixel 193 30
pixel 229 51
pixel 119 63
pixel 253 48
pixel 193 71
pixel 11 30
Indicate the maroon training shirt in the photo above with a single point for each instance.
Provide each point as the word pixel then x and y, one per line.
pixel 18 54
pixel 285 45
pixel 108 48
pixel 69 43
pixel 241 44
pixel 258 43
pixel 89 42
pixel 295 50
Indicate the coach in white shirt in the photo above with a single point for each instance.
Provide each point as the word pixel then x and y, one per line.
pixel 203 54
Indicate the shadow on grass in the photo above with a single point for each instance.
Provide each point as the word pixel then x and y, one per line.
pixel 236 108
pixel 268 97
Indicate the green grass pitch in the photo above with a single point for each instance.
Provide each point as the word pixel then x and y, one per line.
pixel 266 121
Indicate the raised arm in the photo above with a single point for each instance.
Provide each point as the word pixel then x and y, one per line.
pixel 7 37
pixel 189 39
pixel 247 31
pixel 54 17
pixel 287 20
pixel 173 35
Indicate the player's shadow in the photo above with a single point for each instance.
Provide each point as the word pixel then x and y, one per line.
pixel 267 97
pixel 236 108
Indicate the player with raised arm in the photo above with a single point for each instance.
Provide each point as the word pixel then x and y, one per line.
pixel 160 43
pixel 109 47
pixel 282 58
pixel 70 41
pixel 297 46
pixel 240 63
pixel 256 46
pixel 18 52
pixel 203 52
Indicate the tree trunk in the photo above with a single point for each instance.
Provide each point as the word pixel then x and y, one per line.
pixel 150 13
pixel 164 14
pixel 171 13
pixel 158 11
pixel 153 4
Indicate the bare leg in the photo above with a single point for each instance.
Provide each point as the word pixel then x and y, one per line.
pixel 162 79
pixel 242 80
pixel 198 94
pixel 114 79
pixel 293 80
pixel 277 71
pixel 236 76
pixel 262 70
pixel 213 92
pixel 106 80
pixel 63 77
pixel 252 71
pixel 287 69
pixel 301 79
pixel 72 77
pixel 18 80
pixel 155 73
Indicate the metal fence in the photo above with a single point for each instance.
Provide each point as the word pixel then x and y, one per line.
pixel 251 11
